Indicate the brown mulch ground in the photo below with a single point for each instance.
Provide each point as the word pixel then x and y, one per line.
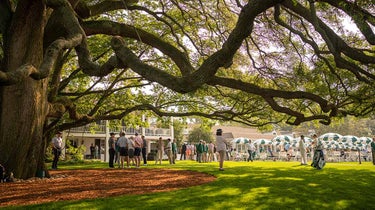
pixel 97 183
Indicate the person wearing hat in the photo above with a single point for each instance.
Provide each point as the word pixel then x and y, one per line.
pixel 221 148
pixel 168 151
pixel 56 148
pixel 160 151
pixel 112 151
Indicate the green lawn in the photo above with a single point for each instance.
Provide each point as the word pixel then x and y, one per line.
pixel 246 185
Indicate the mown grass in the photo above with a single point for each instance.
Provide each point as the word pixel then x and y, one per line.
pixel 246 185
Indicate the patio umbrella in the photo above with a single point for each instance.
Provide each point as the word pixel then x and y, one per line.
pixel 281 138
pixel 348 145
pixel 294 144
pixel 239 143
pixel 330 136
pixel 349 139
pixel 307 140
pixel 240 140
pixel 365 139
pixel 262 141
pixel 335 145
pixel 359 146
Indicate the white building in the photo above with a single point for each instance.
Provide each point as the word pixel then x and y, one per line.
pixel 98 135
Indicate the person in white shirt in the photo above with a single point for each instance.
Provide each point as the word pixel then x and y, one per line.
pixel 302 149
pixel 221 148
pixel 250 149
pixel 56 148
pixel 124 156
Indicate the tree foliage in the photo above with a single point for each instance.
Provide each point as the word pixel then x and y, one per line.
pixel 200 133
pixel 344 126
pixel 237 60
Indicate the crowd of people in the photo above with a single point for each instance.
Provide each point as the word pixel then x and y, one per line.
pixel 203 151
pixel 131 151
pixel 127 152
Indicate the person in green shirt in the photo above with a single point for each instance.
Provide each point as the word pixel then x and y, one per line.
pixel 373 150
pixel 199 148
pixel 205 150
pixel 174 151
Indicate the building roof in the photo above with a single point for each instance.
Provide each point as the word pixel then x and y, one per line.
pixel 231 132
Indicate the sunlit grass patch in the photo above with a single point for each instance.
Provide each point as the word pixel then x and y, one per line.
pixel 250 185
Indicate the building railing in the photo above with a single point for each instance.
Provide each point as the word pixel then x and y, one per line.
pixel 101 129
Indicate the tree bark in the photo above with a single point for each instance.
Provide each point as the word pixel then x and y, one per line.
pixel 24 105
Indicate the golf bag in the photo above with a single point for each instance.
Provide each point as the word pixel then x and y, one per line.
pixel 318 160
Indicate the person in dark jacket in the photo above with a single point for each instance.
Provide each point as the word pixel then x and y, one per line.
pixel 183 151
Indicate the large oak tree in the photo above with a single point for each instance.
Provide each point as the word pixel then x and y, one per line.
pixel 67 63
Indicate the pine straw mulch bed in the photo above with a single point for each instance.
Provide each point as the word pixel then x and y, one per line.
pixel 97 183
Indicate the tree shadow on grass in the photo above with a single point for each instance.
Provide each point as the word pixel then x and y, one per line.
pixel 244 187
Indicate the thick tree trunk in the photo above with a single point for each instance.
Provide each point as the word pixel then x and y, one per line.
pixel 24 105
pixel 21 129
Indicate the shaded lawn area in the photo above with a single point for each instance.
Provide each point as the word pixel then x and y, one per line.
pixel 246 185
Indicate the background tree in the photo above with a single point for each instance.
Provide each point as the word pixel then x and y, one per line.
pixel 345 126
pixel 200 133
pixel 67 63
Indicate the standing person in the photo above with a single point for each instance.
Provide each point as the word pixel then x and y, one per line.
pixel 160 150
pixel 199 149
pixel 188 151
pixel 192 151
pixel 373 150
pixel 122 144
pixel 221 148
pixel 56 148
pixel 250 149
pixel 92 151
pixel 138 144
pixel 205 151
pixel 174 151
pixel 211 151
pixel 96 152
pixel 144 151
pixel 131 149
pixel 117 153
pixel 168 151
pixel 183 151
pixel 302 149
pixel 111 150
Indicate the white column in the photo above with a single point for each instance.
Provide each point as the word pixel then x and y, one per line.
pixel 106 149
pixel 143 128
pixel 171 128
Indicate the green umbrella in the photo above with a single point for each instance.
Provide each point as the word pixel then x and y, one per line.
pixel 281 138
pixel 262 141
pixel 330 136
pixel 349 139
pixel 241 140
pixel 365 139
